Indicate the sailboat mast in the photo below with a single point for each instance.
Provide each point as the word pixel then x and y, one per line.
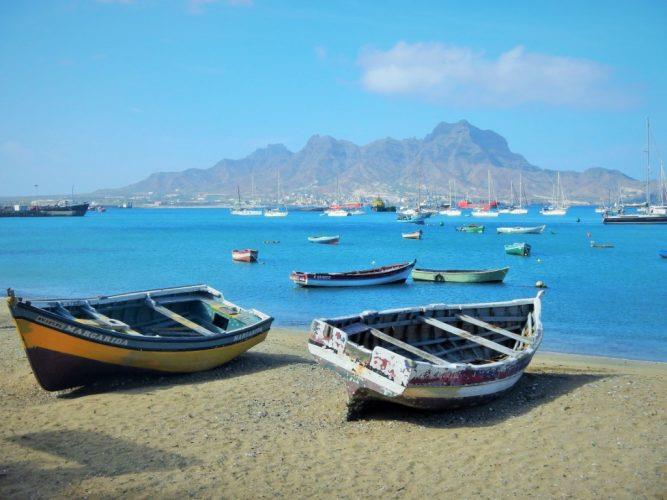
pixel 648 162
pixel 238 194
pixel 520 191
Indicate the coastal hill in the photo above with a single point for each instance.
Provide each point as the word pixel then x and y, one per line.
pixel 457 151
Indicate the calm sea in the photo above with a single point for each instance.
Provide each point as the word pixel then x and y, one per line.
pixel 609 302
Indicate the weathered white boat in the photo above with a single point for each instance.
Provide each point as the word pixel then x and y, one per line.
pixel 436 356
pixel 521 230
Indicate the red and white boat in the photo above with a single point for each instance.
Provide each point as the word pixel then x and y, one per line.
pixel 246 255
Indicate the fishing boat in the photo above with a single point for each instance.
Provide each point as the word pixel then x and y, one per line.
pixel 413 218
pixel 595 244
pixel 72 342
pixel 436 356
pixel 245 255
pixel 417 235
pixel 522 249
pixel 460 275
pixel 521 230
pixel 471 228
pixel 325 240
pixel 558 205
pixel 395 273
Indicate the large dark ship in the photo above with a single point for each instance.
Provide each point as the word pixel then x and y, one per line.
pixel 59 210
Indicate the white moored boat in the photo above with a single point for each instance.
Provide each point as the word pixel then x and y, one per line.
pixel 521 230
pixel 436 356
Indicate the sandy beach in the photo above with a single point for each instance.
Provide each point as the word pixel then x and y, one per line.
pixel 272 423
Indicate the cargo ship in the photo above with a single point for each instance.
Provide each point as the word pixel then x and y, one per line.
pixel 59 210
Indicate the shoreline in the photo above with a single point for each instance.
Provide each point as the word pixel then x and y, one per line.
pixel 272 423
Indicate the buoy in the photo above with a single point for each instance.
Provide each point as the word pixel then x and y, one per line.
pixel 540 284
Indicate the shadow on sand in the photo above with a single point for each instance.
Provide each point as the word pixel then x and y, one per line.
pixel 94 454
pixel 532 390
pixel 245 364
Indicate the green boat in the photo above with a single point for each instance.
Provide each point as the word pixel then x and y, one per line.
pixel 471 228
pixel 522 249
pixel 460 275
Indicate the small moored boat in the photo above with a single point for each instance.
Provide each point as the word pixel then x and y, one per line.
pixel 663 254
pixel 417 235
pixel 460 276
pixel 521 230
pixel 436 356
pixel 72 342
pixel 396 273
pixel 246 255
pixel 325 240
pixel 471 228
pixel 522 249
pixel 595 244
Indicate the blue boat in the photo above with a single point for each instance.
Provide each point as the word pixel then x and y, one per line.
pixel 663 254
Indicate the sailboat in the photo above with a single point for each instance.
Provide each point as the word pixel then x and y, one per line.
pixel 661 208
pixel 336 210
pixel 557 206
pixel 654 214
pixel 451 211
pixel 486 211
pixel 240 210
pixel 280 211
pixel 416 215
pixel 519 209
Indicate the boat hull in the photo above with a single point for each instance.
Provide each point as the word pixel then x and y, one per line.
pixel 381 374
pixel 521 249
pixel 324 240
pixel 635 219
pixel 399 274
pixel 245 255
pixel 521 230
pixel 64 354
pixel 449 276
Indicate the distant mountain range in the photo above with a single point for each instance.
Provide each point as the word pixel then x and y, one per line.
pixel 452 151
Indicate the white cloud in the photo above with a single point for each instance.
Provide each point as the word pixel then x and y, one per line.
pixel 462 76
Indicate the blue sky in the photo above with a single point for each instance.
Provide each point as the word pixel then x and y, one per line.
pixel 102 93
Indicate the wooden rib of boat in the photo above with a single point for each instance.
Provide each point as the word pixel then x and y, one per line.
pixel 471 228
pixel 595 244
pixel 325 240
pixel 436 356
pixel 72 342
pixel 460 276
pixel 417 235
pixel 521 230
pixel 246 255
pixel 522 249
pixel 395 273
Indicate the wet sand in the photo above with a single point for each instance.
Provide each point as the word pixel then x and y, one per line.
pixel 272 423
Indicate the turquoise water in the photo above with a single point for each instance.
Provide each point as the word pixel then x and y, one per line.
pixel 600 301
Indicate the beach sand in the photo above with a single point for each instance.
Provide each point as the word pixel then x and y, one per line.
pixel 272 423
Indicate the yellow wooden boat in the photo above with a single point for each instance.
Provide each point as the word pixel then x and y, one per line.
pixel 72 342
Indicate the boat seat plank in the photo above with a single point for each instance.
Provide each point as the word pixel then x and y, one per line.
pixel 473 338
pixel 178 318
pixel 407 347
pixel 107 322
pixel 417 320
pixel 477 322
